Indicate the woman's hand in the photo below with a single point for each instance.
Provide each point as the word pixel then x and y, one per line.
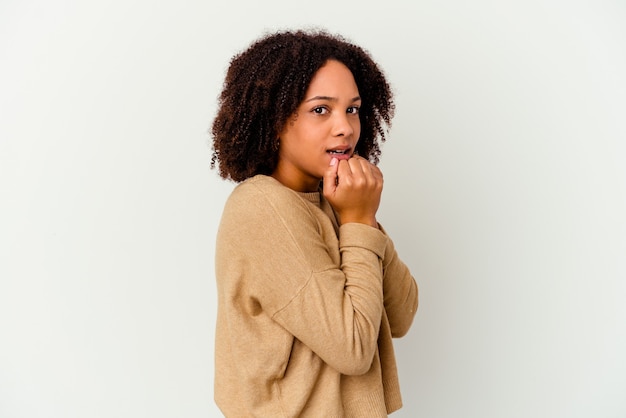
pixel 353 188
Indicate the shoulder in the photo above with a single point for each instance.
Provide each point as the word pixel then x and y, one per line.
pixel 264 193
pixel 263 186
pixel 265 200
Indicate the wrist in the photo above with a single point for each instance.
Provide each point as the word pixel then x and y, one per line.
pixel 371 221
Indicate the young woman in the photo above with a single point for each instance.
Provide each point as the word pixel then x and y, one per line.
pixel 310 288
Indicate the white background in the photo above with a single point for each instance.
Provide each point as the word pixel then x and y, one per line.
pixel 505 193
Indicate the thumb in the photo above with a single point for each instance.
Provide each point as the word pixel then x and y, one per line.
pixel 330 177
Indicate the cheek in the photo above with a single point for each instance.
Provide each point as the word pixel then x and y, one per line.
pixel 357 128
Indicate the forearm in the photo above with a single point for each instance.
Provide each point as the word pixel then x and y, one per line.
pixel 338 312
pixel 400 292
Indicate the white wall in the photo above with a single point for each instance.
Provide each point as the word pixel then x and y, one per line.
pixel 505 192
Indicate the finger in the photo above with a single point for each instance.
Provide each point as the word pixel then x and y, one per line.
pixel 372 174
pixel 376 172
pixel 368 171
pixel 356 166
pixel 330 177
pixel 344 172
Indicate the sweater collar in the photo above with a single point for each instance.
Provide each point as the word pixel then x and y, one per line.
pixel 313 197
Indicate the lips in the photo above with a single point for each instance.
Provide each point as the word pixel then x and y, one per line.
pixel 338 151
pixel 341 153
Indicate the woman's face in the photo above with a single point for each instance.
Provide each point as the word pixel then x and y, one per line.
pixel 325 125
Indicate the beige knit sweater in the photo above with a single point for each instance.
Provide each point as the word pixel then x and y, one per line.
pixel 306 309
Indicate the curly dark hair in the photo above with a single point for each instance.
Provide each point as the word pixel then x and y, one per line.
pixel 266 83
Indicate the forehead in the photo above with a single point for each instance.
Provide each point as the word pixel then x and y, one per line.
pixel 333 78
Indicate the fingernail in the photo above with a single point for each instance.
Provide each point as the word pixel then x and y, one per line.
pixel 333 161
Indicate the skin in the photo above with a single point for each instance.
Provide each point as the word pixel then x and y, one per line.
pixel 328 119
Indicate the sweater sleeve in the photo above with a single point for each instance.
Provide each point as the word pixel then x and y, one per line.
pixel 338 311
pixel 400 292
pixel 332 306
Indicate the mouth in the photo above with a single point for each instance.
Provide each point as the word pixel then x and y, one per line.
pixel 340 153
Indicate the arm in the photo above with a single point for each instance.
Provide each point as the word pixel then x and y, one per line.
pixel 327 296
pixel 353 189
pixel 338 312
pixel 400 292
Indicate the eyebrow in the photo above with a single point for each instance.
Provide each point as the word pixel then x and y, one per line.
pixel 329 98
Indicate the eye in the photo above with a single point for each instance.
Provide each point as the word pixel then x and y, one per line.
pixel 353 110
pixel 320 110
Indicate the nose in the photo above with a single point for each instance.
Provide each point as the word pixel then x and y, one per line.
pixel 344 124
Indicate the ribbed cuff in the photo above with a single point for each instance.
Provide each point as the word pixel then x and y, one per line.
pixel 363 236
pixel 371 406
pixel 393 397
